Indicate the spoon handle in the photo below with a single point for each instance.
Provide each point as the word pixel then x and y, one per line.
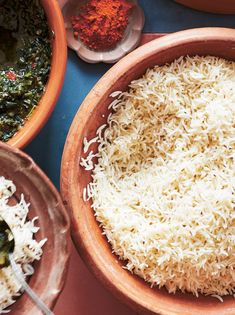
pixel 19 276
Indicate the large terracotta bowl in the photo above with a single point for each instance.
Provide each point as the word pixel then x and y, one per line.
pixel 45 202
pixel 86 233
pixel 213 6
pixel 54 85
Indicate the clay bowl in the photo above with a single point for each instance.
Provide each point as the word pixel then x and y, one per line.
pixel 45 202
pixel 213 6
pixel 54 85
pixel 86 233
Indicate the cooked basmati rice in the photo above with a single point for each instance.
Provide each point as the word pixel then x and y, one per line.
pixel 164 186
pixel 26 249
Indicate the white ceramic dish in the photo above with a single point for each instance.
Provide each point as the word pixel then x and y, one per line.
pixel 129 42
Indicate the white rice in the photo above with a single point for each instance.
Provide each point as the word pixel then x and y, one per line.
pixel 27 249
pixel 164 186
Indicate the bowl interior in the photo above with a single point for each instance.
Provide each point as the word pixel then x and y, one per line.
pixel 55 81
pixel 45 203
pixel 87 234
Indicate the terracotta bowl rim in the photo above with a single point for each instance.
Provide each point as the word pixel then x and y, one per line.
pixel 221 7
pixel 70 159
pixel 47 103
pixel 56 287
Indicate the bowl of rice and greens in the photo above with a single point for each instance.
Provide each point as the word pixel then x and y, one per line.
pixel 148 175
pixel 33 209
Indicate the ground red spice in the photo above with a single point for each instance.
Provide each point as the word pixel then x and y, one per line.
pixel 101 24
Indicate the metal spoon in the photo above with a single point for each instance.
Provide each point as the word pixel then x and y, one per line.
pixel 7 245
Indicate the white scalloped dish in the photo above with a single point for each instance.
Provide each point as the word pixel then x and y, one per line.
pixel 130 40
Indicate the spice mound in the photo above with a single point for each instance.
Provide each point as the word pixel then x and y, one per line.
pixel 101 24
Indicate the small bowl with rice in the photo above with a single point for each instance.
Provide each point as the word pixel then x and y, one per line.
pixel 34 211
pixel 147 175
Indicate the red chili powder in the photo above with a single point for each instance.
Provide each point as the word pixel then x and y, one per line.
pixel 101 24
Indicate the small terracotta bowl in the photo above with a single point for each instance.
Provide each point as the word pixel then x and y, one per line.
pixel 54 85
pixel 45 203
pixel 86 233
pixel 212 6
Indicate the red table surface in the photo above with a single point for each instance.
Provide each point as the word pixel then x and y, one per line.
pixel 84 295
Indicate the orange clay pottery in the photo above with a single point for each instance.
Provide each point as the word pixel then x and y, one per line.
pixel 54 85
pixel 45 203
pixel 213 6
pixel 86 232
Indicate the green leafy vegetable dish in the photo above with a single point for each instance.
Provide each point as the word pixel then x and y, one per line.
pixel 25 57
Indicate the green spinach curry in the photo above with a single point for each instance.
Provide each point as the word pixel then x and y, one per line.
pixel 25 56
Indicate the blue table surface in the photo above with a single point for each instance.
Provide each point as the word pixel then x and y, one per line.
pixel 161 16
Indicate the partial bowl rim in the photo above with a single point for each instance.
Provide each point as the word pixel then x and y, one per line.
pixel 211 6
pixel 81 233
pixel 42 112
